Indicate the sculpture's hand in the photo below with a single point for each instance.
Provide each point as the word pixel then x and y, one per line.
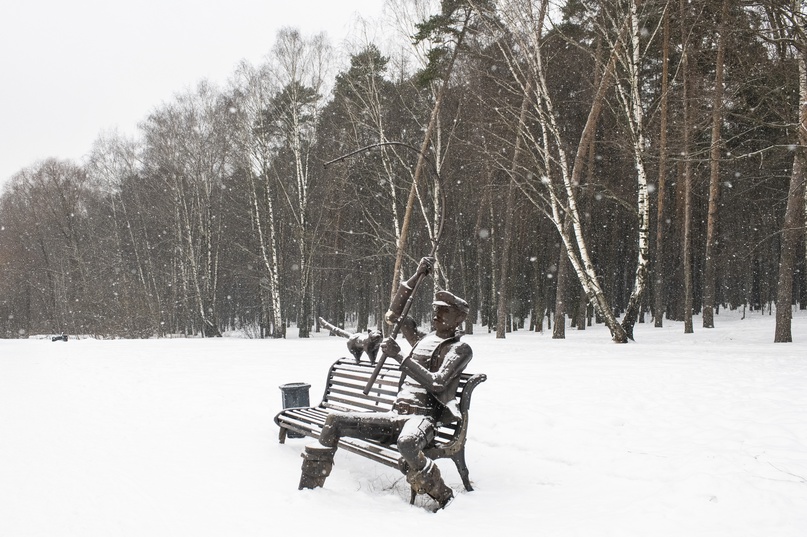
pixel 390 347
pixel 425 266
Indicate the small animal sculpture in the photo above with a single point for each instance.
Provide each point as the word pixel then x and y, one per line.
pixel 359 342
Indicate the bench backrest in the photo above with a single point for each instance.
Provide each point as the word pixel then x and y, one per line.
pixel 346 383
pixel 347 380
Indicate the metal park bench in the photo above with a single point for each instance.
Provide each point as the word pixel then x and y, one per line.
pixel 344 391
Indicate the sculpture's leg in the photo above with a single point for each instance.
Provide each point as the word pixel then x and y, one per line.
pixel 429 481
pixel 423 474
pixel 317 465
pixel 318 458
pixel 382 427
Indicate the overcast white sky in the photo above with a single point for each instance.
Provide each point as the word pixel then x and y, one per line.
pixel 72 69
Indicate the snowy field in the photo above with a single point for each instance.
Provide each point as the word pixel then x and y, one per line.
pixel 675 435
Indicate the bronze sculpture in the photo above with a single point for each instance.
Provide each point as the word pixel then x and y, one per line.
pixel 427 395
pixel 358 343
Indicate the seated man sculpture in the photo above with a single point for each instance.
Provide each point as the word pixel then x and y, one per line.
pixel 426 397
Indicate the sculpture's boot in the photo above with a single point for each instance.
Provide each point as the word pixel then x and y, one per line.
pixel 429 481
pixel 317 465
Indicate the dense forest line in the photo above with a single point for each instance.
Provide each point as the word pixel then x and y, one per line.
pixel 614 161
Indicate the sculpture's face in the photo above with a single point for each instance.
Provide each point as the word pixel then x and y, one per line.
pixel 446 319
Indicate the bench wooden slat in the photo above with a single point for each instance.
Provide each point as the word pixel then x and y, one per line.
pixel 366 369
pixel 353 404
pixel 390 459
pixel 372 396
pixel 381 397
pixel 306 414
pixel 389 367
pixel 387 396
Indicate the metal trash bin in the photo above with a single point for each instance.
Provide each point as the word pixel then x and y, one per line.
pixel 295 395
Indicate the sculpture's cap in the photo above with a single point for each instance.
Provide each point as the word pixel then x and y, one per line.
pixel 444 298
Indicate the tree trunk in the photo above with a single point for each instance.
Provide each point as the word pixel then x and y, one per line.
pixel 562 201
pixel 661 223
pixel 268 250
pixel 635 113
pixel 793 226
pixel 588 196
pixel 685 153
pixel 509 215
pixel 709 277
pixel 561 285
pixel 588 189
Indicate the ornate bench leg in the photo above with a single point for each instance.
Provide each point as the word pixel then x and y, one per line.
pixel 462 468
pixel 412 497
pixel 281 437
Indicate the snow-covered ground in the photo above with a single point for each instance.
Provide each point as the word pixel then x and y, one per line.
pixel 675 435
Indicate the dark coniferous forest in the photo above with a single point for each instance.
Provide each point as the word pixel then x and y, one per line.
pixel 581 161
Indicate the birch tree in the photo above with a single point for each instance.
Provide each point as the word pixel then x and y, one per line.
pixel 186 144
pixel 253 88
pixel 629 92
pixel 557 196
pixel 362 95
pixel 299 65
